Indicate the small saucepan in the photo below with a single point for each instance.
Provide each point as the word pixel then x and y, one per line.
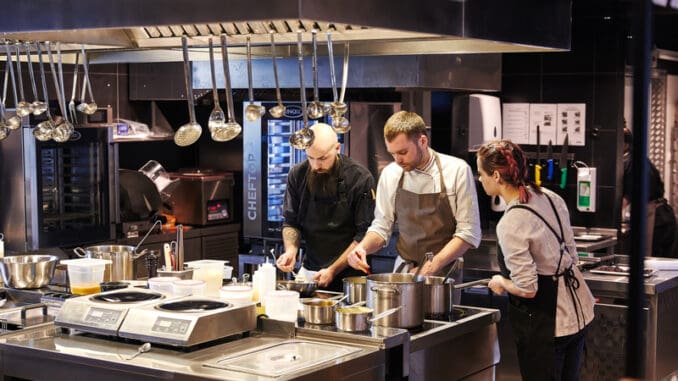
pixel 356 319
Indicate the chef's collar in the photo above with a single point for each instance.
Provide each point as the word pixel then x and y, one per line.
pixel 431 161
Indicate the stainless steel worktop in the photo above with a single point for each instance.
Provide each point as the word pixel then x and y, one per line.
pixel 660 281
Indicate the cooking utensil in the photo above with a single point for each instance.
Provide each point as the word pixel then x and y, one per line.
pixel 279 110
pixel 356 319
pixel 84 107
pixel 45 129
pixel 390 290
pixel 13 122
pixel 71 104
pixel 479 282
pixel 121 256
pixel 190 132
pixel 28 271
pixel 38 106
pixel 563 163
pixel 23 108
pixel 231 128
pixel 338 109
pixel 438 293
pixel 318 311
pixel 427 258
pixel 549 158
pixel 305 289
pixel 252 111
pixel 62 132
pixel 145 347
pixel 355 287
pixel 303 138
pixel 537 163
pixel 316 110
pixel 217 118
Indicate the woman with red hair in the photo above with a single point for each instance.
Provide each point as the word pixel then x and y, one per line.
pixel 550 304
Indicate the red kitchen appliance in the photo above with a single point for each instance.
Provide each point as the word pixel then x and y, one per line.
pixel 202 197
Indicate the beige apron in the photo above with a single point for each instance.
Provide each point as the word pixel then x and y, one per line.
pixel 426 223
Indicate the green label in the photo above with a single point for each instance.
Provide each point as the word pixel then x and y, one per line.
pixel 584 194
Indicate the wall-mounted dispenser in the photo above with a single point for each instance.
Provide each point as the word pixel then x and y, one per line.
pixel 586 187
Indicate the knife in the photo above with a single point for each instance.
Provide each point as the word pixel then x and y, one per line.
pixel 537 165
pixel 549 155
pixel 563 164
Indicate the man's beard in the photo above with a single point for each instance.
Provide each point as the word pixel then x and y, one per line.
pixel 323 185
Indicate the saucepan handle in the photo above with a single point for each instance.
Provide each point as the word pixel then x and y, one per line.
pixel 80 252
pixel 480 282
pixel 391 290
pixel 384 314
pixel 137 256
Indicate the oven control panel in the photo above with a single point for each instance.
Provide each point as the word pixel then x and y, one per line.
pixel 171 326
pixel 217 210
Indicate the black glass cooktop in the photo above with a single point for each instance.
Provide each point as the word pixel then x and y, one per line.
pixel 192 306
pixel 126 297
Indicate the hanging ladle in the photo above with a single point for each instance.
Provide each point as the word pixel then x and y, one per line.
pixel 190 132
pixel 252 111
pixel 217 118
pixel 279 110
pixel 45 129
pixel 316 110
pixel 23 108
pixel 37 105
pixel 302 138
pixel 338 108
pixel 63 130
pixel 232 128
pixel 71 104
pixel 13 122
pixel 84 107
pixel 4 131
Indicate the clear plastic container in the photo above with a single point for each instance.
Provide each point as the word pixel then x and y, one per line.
pixel 185 287
pixel 237 294
pixel 162 284
pixel 210 271
pixel 86 274
pixel 282 305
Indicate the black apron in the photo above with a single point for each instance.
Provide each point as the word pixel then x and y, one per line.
pixel 425 221
pixel 534 320
pixel 328 227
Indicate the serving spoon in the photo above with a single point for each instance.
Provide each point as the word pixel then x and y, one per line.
pixel 217 118
pixel 279 110
pixel 303 138
pixel 38 106
pixel 190 132
pixel 252 111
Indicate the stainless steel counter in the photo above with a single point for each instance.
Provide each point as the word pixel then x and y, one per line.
pixel 60 356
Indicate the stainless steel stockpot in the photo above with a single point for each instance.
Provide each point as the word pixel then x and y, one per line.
pixel 386 291
pixel 121 256
pixel 438 295
pixel 356 289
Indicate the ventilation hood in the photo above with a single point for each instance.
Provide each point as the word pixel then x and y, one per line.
pixel 374 27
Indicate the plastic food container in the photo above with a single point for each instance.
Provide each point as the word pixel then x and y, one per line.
pixel 210 271
pixel 282 305
pixel 162 284
pixel 86 274
pixel 184 287
pixel 237 294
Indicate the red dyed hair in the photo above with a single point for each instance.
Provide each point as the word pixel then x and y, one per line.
pixel 509 161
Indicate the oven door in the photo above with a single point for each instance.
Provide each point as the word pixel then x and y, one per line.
pixel 74 189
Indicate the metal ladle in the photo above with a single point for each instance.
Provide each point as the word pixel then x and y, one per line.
pixel 190 132
pixel 62 132
pixel 303 138
pixel 71 104
pixel 338 109
pixel 4 131
pixel 232 128
pixel 252 111
pixel 23 108
pixel 279 110
pixel 13 122
pixel 316 109
pixel 84 107
pixel 217 118
pixel 38 106
pixel 44 130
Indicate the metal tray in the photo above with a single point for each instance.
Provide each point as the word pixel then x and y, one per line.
pixel 648 272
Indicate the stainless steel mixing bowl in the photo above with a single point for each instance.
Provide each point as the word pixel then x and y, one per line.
pixel 28 271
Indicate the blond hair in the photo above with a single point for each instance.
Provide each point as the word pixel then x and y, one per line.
pixel 404 122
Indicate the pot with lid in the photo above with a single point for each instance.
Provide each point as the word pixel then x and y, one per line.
pixel 391 290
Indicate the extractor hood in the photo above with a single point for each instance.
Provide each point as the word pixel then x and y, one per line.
pixel 374 27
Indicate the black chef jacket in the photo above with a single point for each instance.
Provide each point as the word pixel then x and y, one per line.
pixel 355 183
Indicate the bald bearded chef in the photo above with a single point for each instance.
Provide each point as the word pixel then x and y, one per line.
pixel 329 203
pixel 431 196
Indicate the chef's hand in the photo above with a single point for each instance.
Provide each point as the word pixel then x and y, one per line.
pixel 497 284
pixel 324 277
pixel 428 268
pixel 286 261
pixel 358 259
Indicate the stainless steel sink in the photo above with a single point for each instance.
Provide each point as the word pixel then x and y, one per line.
pixel 284 358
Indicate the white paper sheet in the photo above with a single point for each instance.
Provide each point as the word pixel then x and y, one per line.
pixel 572 120
pixel 515 122
pixel 544 116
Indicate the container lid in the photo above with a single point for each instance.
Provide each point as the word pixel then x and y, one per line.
pixel 86 262
pixel 205 263
pixel 163 279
